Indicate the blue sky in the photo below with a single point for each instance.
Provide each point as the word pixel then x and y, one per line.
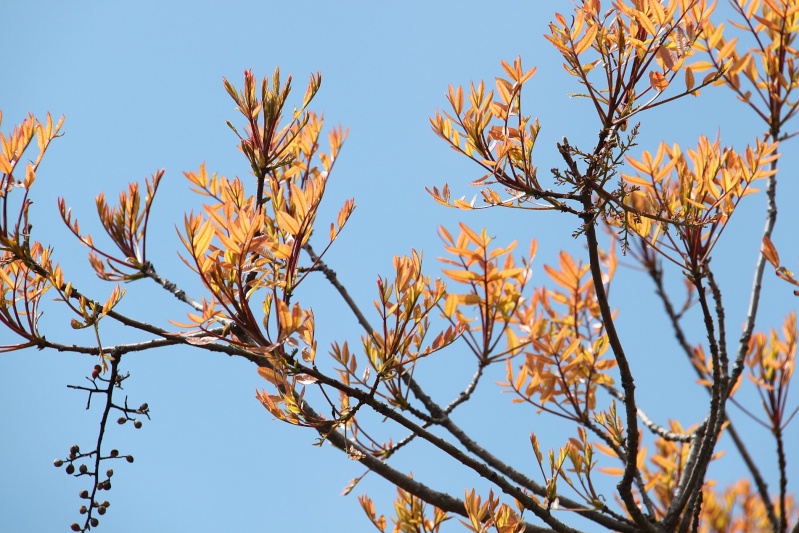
pixel 140 85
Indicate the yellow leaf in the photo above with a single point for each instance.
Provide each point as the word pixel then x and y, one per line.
pixel 115 297
pixel 701 66
pixel 463 276
pixel 611 471
pixel 283 313
pixel 536 447
pixel 202 239
pixel 469 232
pixel 450 305
pixel 5 165
pixel 664 463
pixel 288 223
pixel 469 299
pixel 607 450
pixel 644 21
pixel 298 200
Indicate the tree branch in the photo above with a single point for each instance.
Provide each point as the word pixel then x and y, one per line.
pixel 691 491
pixel 757 283
pixel 628 384
pixel 656 429
pixel 441 500
pixel 149 271
pixel 441 417
pixel 483 470
pixel 657 276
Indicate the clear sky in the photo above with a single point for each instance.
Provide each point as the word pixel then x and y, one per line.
pixel 140 84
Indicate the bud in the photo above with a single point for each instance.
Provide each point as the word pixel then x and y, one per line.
pixel 105 503
pixel 129 458
pixel 137 424
pixel 84 494
pixel 58 463
pixel 121 420
pixel 94 522
pixel 83 469
pixel 74 527
pixel 70 469
pixel 74 449
pixel 144 407
pixel 101 511
pixel 114 452
pixel 83 509
pixel 109 472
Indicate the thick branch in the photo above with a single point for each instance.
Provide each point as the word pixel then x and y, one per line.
pixel 657 276
pixel 627 382
pixel 628 385
pixel 687 498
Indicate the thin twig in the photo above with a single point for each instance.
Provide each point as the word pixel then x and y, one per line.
pixel 333 279
pixel 781 463
pixel 180 294
pixel 757 283
pixel 656 429
pixel 722 335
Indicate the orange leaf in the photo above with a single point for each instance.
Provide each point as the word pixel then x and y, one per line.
pixel 587 39
pixel 770 252
pixel 689 79
pixel 271 376
pixel 658 81
pixel 668 57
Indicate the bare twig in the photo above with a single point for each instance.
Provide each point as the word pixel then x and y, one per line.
pixel 782 526
pixel 656 429
pixel 180 294
pixel 757 283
